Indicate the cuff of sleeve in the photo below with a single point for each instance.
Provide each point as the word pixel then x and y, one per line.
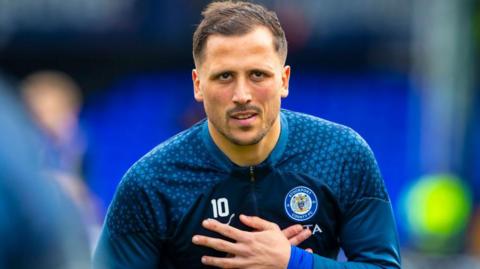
pixel 300 259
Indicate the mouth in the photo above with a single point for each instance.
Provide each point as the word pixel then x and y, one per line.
pixel 244 118
pixel 243 115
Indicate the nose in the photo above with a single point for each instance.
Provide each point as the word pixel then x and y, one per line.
pixel 242 94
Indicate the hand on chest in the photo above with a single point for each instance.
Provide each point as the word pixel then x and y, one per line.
pixel 282 199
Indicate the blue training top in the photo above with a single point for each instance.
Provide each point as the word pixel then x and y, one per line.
pixel 320 174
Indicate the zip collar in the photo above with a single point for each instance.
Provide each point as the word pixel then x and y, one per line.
pixel 224 163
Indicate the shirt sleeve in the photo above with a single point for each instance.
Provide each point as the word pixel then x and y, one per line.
pixel 126 251
pixel 368 238
pixel 368 234
pixel 134 227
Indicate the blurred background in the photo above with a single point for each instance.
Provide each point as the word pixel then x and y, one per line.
pixel 105 81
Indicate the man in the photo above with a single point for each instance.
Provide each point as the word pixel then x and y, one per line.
pixel 54 101
pixel 231 182
pixel 39 226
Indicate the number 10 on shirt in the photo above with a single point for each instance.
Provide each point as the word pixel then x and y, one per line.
pixel 220 207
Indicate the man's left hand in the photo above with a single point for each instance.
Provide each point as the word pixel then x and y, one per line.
pixel 266 247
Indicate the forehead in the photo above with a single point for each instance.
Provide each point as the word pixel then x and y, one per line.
pixel 257 43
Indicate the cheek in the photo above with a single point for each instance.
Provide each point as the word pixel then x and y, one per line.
pixel 216 99
pixel 270 89
pixel 270 100
pixel 269 97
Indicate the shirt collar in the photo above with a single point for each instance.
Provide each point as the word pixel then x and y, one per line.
pixel 225 163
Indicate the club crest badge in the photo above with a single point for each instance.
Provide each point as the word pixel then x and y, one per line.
pixel 301 203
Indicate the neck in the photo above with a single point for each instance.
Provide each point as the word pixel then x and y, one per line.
pixel 251 154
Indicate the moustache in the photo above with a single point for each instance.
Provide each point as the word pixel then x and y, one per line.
pixel 243 108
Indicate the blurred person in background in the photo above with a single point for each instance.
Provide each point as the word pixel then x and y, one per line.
pixel 231 182
pixel 54 101
pixel 474 235
pixel 39 226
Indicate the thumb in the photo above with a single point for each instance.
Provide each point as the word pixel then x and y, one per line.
pixel 258 223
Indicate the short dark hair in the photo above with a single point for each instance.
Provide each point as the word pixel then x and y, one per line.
pixel 231 18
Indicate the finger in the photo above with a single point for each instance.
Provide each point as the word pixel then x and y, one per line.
pixel 221 262
pixel 215 243
pixel 309 250
pixel 258 223
pixel 300 237
pixel 224 229
pixel 293 230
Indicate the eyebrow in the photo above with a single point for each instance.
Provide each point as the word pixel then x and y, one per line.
pixel 218 73
pixel 264 69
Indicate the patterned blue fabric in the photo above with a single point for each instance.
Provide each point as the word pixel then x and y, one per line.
pixel 164 197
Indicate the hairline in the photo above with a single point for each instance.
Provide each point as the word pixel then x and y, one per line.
pixel 201 57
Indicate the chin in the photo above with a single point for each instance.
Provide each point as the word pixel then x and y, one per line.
pixel 245 141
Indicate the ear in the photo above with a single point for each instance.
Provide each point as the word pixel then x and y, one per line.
pixel 285 81
pixel 197 92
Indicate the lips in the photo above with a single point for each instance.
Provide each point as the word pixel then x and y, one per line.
pixel 243 115
pixel 244 119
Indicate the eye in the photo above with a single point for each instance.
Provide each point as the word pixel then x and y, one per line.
pixel 225 76
pixel 257 75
